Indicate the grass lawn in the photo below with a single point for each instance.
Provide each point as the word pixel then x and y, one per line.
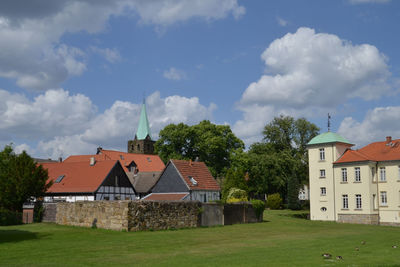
pixel 280 240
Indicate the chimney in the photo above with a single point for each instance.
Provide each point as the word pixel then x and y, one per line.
pixel 60 159
pixel 388 139
pixel 99 149
pixel 92 161
pixel 190 163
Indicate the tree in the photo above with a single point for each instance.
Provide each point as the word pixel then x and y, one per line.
pixel 234 178
pixel 20 179
pixel 213 144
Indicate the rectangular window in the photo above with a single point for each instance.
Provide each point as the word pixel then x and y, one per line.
pixel 345 199
pixel 322 173
pixel 344 175
pixel 357 173
pixel 322 154
pixel 358 202
pixel 382 171
pixel 323 191
pixel 383 198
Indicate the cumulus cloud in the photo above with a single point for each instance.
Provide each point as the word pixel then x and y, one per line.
pixel 31 51
pixel 111 55
pixel 377 124
pixel 57 123
pixel 311 73
pixel 174 74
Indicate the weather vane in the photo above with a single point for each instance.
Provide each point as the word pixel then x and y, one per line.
pixel 329 122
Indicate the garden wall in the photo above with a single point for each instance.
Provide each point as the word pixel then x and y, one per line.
pixel 151 215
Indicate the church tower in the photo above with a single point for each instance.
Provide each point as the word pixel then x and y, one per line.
pixel 142 144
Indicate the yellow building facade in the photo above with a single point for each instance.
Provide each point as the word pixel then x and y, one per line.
pixel 354 186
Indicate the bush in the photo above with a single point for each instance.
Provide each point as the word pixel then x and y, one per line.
pixel 274 201
pixel 258 206
pixel 236 195
pixel 10 217
pixel 38 212
pixel 305 204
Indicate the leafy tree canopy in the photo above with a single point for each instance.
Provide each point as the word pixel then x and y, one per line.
pixel 20 179
pixel 213 144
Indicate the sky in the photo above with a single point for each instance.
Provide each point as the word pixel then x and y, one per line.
pixel 74 73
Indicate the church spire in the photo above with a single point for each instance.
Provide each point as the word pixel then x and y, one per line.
pixel 143 129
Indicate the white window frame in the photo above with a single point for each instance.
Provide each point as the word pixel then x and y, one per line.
pixel 357 174
pixel 358 202
pixel 383 198
pixel 323 191
pixel 322 154
pixel 322 173
pixel 345 202
pixel 382 174
pixel 344 175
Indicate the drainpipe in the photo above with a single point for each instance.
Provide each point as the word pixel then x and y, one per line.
pixel 334 194
pixel 377 192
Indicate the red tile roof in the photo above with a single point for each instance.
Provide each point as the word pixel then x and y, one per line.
pixel 78 176
pixel 144 162
pixel 377 151
pixel 199 172
pixel 166 196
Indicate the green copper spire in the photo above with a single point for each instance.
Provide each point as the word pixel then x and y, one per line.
pixel 144 128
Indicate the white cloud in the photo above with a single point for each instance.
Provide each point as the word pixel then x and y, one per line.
pixel 111 55
pixel 57 124
pixel 174 74
pixel 377 124
pixel 282 22
pixel 31 51
pixel 368 1
pixel 310 73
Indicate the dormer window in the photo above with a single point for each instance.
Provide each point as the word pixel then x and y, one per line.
pixel 192 180
pixel 59 179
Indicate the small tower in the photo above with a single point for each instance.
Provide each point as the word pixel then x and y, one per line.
pixel 142 144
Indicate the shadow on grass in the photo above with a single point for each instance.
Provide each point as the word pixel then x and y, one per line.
pixel 17 236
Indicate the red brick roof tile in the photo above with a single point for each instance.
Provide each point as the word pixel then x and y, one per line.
pixel 78 176
pixel 166 196
pixel 199 172
pixel 144 162
pixel 377 151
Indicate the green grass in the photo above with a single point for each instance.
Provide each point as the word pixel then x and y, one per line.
pixel 280 240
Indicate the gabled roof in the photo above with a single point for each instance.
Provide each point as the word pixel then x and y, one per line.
pixel 196 175
pixel 144 162
pixel 166 196
pixel 78 176
pixel 328 137
pixel 143 129
pixel 377 151
pixel 144 181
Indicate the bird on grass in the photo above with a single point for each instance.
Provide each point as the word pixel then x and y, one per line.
pixel 339 257
pixel 357 248
pixel 327 255
pixel 394 246
pixel 363 242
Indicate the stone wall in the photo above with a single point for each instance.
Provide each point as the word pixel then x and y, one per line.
pixel 359 218
pixel 49 212
pixel 151 215
pixel 102 214
pixel 161 215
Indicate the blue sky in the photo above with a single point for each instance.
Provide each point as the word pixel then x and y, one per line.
pixel 73 73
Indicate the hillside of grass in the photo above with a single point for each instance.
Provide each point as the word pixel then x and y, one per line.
pixel 281 239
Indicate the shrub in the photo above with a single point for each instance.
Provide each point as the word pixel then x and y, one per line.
pixel 8 217
pixel 274 201
pixel 258 206
pixel 236 195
